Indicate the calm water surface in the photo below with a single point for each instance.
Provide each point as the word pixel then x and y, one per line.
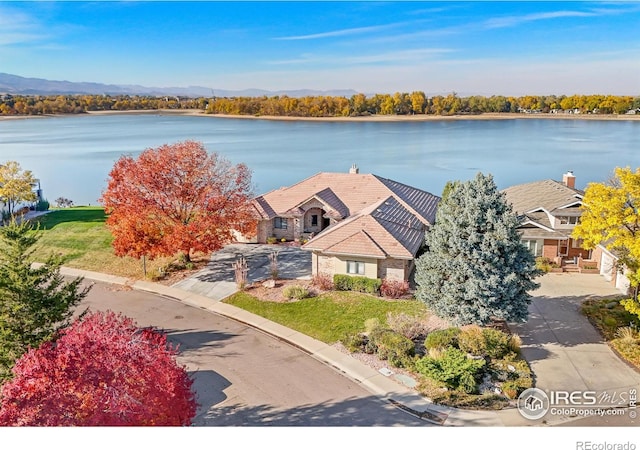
pixel 73 155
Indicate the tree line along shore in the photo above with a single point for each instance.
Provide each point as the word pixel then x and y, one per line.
pixel 359 105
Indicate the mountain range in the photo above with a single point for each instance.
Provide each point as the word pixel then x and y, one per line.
pixel 14 84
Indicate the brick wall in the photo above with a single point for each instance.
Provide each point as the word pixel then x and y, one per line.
pixel 550 249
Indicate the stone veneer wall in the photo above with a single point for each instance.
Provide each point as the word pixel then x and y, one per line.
pixel 393 269
pixel 264 230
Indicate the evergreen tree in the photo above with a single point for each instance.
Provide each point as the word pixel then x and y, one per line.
pixel 35 302
pixel 476 268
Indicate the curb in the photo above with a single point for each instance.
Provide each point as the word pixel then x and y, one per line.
pixel 375 382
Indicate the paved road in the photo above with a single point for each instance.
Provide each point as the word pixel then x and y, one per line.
pixel 245 377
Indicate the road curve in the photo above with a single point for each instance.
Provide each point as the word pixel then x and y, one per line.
pixel 245 377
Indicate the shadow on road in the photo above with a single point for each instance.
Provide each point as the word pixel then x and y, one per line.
pixel 347 413
pixel 209 387
pixel 197 339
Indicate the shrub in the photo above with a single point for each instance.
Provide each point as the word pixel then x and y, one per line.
pixel 453 368
pixel 441 339
pixel 395 348
pixel 358 284
pixel 515 342
pixel 322 281
pixel 496 342
pixel 627 335
pixel 483 341
pixel 543 263
pixel 273 265
pixel 272 240
pixel 295 292
pixel 610 321
pixel 471 340
pixel 371 325
pixel 511 389
pixel 373 337
pixel 354 342
pixel 42 205
pixel 394 288
pixel 342 282
pixel 240 272
pixel 409 326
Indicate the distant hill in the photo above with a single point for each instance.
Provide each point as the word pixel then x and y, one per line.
pixel 14 84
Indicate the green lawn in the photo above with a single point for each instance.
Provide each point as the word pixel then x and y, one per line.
pixel 331 315
pixel 81 237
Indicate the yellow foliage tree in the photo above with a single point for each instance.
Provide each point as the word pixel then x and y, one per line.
pixel 16 185
pixel 612 218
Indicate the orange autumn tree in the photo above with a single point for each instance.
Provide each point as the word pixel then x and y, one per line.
pixel 176 198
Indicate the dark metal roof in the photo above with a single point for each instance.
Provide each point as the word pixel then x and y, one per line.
pixel 400 223
pixel 331 199
pixel 422 202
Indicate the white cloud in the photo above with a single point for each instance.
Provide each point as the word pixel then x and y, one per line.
pixel 413 55
pixel 343 32
pixel 16 27
pixel 511 21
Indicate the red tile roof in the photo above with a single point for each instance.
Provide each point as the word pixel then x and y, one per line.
pixel 381 217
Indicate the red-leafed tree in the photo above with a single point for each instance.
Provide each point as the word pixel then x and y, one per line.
pixel 177 198
pixel 103 370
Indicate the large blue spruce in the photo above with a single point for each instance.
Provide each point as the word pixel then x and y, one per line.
pixel 475 269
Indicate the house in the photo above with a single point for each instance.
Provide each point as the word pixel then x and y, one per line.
pixel 609 268
pixel 358 224
pixel 548 211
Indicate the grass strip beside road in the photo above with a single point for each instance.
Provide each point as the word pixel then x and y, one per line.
pixel 80 236
pixel 330 316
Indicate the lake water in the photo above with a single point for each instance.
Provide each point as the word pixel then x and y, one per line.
pixel 73 155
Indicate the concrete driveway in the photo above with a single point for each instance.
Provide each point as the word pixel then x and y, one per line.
pixel 563 348
pixel 217 280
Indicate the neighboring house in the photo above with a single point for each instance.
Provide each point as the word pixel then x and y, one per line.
pixel 609 268
pixel 548 211
pixel 358 224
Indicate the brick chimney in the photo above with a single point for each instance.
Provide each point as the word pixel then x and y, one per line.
pixel 569 179
pixel 354 169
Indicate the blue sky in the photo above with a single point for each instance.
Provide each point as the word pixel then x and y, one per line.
pixel 509 48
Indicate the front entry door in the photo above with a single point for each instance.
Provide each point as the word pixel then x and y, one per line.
pixel 563 247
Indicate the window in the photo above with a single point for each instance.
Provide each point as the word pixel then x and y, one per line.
pixel 534 246
pixel 314 220
pixel 576 243
pixel 355 267
pixel 280 222
pixel 568 220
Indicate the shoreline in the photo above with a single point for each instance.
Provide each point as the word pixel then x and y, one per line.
pixel 371 118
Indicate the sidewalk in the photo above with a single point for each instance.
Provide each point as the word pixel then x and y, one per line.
pixel 372 380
